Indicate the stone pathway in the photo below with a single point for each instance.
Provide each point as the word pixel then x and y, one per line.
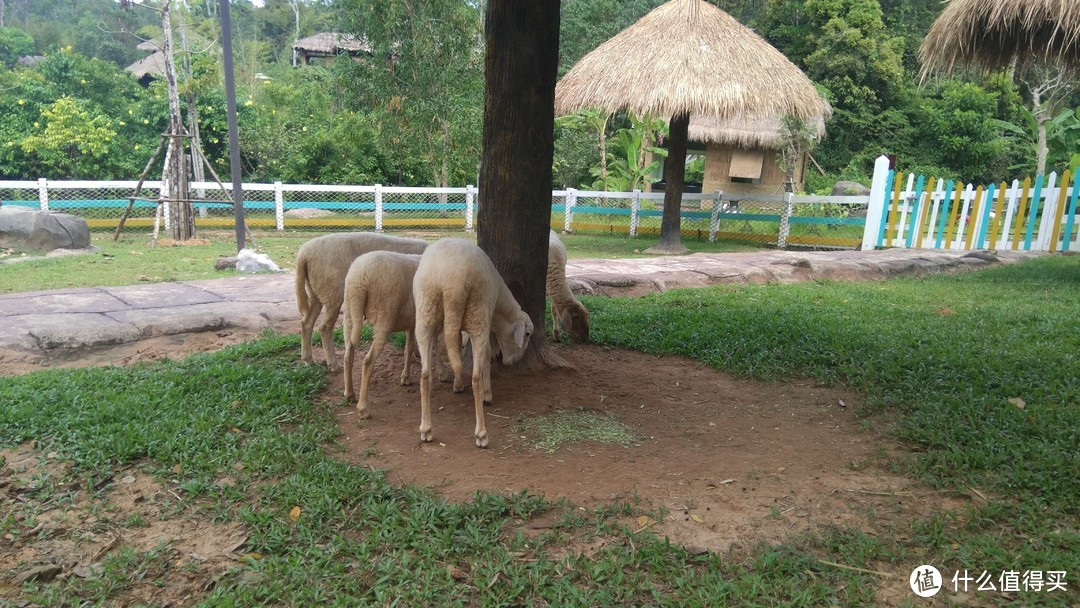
pixel 48 327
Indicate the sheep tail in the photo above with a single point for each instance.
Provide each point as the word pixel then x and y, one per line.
pixel 302 301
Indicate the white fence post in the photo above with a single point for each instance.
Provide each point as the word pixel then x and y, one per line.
pixel 378 207
pixel 635 206
pixel 714 221
pixel 470 200
pixel 876 207
pixel 568 210
pixel 43 194
pixel 279 206
pixel 785 220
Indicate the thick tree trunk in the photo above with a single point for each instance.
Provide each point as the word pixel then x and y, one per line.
pixel 675 177
pixel 518 145
pixel 181 220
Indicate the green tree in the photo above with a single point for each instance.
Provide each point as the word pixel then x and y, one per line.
pixel 69 134
pixel 422 82
pixel 14 43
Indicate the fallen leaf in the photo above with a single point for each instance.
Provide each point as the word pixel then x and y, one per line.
pixel 176 468
pixel 128 479
pixel 295 513
pixel 697 518
pixel 233 547
pixel 252 556
pixel 642 520
pixel 457 573
pixel 945 311
pixel 726 481
pixel 1018 402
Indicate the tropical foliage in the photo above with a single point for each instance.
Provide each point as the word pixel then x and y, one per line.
pixel 409 111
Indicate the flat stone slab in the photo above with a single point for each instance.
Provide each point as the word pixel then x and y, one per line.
pixel 49 325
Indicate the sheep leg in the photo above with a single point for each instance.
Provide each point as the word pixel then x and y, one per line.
pixel 452 339
pixel 350 354
pixel 326 332
pixel 424 337
pixel 307 327
pixel 555 321
pixel 481 379
pixel 378 341
pixel 410 347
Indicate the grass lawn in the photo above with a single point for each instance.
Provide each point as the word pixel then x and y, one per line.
pixel 939 359
pixel 131 261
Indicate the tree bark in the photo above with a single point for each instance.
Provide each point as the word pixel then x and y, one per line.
pixel 514 201
pixel 675 178
pixel 181 220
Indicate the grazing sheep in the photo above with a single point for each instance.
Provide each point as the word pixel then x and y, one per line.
pixel 321 266
pixel 378 290
pixel 567 313
pixel 457 289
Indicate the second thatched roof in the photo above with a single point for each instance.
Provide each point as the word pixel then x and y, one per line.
pixel 687 56
pixel 745 132
pixel 332 43
pixel 990 33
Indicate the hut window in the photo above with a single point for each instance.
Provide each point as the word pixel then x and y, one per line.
pixel 746 164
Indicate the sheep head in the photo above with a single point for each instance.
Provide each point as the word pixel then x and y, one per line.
pixel 512 337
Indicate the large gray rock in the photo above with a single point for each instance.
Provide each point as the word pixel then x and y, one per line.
pixel 34 230
pixel 843 188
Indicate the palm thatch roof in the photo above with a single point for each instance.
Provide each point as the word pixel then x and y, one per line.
pixel 745 132
pixel 989 34
pixel 689 57
pixel 332 43
pixel 152 65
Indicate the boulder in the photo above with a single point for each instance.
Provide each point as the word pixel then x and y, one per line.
pixel 843 188
pixel 249 261
pixel 34 230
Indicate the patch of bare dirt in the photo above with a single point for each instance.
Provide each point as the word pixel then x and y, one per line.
pixel 728 461
pixel 60 529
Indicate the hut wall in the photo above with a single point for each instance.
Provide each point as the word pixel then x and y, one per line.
pixel 718 165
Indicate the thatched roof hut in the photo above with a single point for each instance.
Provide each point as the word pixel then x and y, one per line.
pixel 990 33
pixel 330 44
pixel 148 68
pixel 688 58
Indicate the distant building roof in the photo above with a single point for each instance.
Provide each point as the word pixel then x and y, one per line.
pixel 332 43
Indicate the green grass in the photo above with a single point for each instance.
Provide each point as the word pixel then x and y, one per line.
pixel 937 358
pixel 359 539
pixel 130 260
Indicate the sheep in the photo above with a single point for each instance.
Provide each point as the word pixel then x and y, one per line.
pixel 378 289
pixel 457 289
pixel 321 266
pixel 567 313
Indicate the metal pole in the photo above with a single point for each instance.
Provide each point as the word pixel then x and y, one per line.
pixel 234 136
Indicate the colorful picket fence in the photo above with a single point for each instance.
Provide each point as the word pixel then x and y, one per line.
pixel 916 212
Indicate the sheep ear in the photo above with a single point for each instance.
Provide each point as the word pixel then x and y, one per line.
pixel 519 334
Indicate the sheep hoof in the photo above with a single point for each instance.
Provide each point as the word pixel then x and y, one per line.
pixel 426 436
pixel 487 402
pixel 362 413
pixel 333 368
pixel 349 394
pixel 459 388
pixel 482 442
pixel 406 381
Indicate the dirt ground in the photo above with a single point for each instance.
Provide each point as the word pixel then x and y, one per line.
pixel 728 461
pixel 719 463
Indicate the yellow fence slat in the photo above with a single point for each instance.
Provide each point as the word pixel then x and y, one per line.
pixel 1056 233
pixel 954 212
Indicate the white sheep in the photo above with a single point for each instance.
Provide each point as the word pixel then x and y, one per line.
pixel 567 313
pixel 321 266
pixel 458 290
pixel 378 290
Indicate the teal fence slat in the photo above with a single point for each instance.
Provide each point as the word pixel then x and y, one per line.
pixel 885 207
pixel 1033 212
